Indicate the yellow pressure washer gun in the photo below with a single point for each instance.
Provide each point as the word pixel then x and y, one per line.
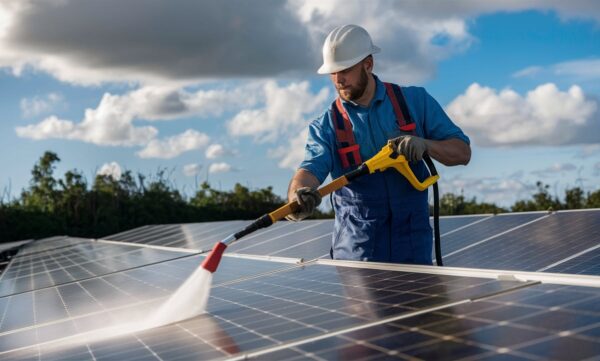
pixel 387 158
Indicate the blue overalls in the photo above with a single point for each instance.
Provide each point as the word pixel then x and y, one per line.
pixel 378 217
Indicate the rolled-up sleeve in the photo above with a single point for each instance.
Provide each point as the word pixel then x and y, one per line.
pixel 318 153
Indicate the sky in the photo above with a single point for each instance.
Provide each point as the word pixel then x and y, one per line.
pixel 223 91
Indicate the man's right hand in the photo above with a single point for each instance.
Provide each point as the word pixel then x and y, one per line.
pixel 410 146
pixel 308 199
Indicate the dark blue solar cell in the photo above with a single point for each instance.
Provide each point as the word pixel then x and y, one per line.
pixel 586 262
pixel 484 230
pixel 536 246
pixel 451 223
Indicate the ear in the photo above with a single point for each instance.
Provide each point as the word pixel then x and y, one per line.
pixel 368 63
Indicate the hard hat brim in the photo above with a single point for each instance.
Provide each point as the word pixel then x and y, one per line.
pixel 341 65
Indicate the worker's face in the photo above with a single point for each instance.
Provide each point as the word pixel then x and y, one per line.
pixel 351 83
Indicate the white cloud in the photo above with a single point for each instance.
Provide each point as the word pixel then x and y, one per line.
pixel 37 105
pixel 583 69
pixel 51 127
pixel 282 120
pixel 290 155
pixel 191 170
pixel 170 102
pixel 555 169
pixel 578 70
pixel 172 147
pixel 284 112
pixel 112 122
pixel 109 124
pixel 501 191
pixel 588 150
pixel 112 169
pixel 220 168
pixel 217 151
pixel 528 72
pixel 544 116
pixel 596 170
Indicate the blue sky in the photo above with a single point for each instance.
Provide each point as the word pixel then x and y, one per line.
pixel 223 90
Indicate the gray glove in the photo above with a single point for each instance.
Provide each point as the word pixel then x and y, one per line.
pixel 411 147
pixel 308 199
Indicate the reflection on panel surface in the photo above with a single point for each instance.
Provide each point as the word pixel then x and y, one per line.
pixel 290 305
pixel 587 263
pixel 82 259
pixel 541 322
pixel 308 239
pixel 288 237
pixel 489 227
pixel 67 286
pixel 63 311
pixel 241 316
pixel 535 246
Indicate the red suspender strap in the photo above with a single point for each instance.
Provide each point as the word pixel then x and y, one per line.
pixel 398 104
pixel 343 127
pixel 348 150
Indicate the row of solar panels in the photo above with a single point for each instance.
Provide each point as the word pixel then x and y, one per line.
pixel 62 297
pixel 59 295
pixel 564 241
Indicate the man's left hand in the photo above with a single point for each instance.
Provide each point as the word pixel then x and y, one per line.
pixel 411 147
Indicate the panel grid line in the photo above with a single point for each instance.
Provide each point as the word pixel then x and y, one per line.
pixel 342 331
pixel 569 258
pixel 496 235
pixel 466 226
pixel 93 276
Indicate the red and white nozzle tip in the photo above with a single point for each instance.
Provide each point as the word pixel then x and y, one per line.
pixel 211 262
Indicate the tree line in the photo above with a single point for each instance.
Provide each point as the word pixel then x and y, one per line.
pixel 71 206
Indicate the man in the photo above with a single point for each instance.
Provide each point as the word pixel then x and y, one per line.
pixel 379 217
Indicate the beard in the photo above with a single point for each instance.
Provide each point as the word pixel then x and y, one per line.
pixel 355 92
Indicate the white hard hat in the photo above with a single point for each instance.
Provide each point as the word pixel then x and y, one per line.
pixel 344 47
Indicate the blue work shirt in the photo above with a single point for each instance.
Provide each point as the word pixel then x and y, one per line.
pixel 373 126
pixel 379 217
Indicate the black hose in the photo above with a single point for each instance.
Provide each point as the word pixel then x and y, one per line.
pixel 436 211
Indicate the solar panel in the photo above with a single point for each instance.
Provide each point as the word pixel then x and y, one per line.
pixel 539 322
pixel 151 233
pixel 83 259
pixel 486 229
pixel 536 245
pixel 308 240
pixel 50 243
pixel 12 245
pixel 58 312
pixel 274 297
pixel 257 307
pixel 270 308
pixel 316 247
pixel 201 236
pixel 287 236
pixel 130 232
pixel 451 223
pixel 584 262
